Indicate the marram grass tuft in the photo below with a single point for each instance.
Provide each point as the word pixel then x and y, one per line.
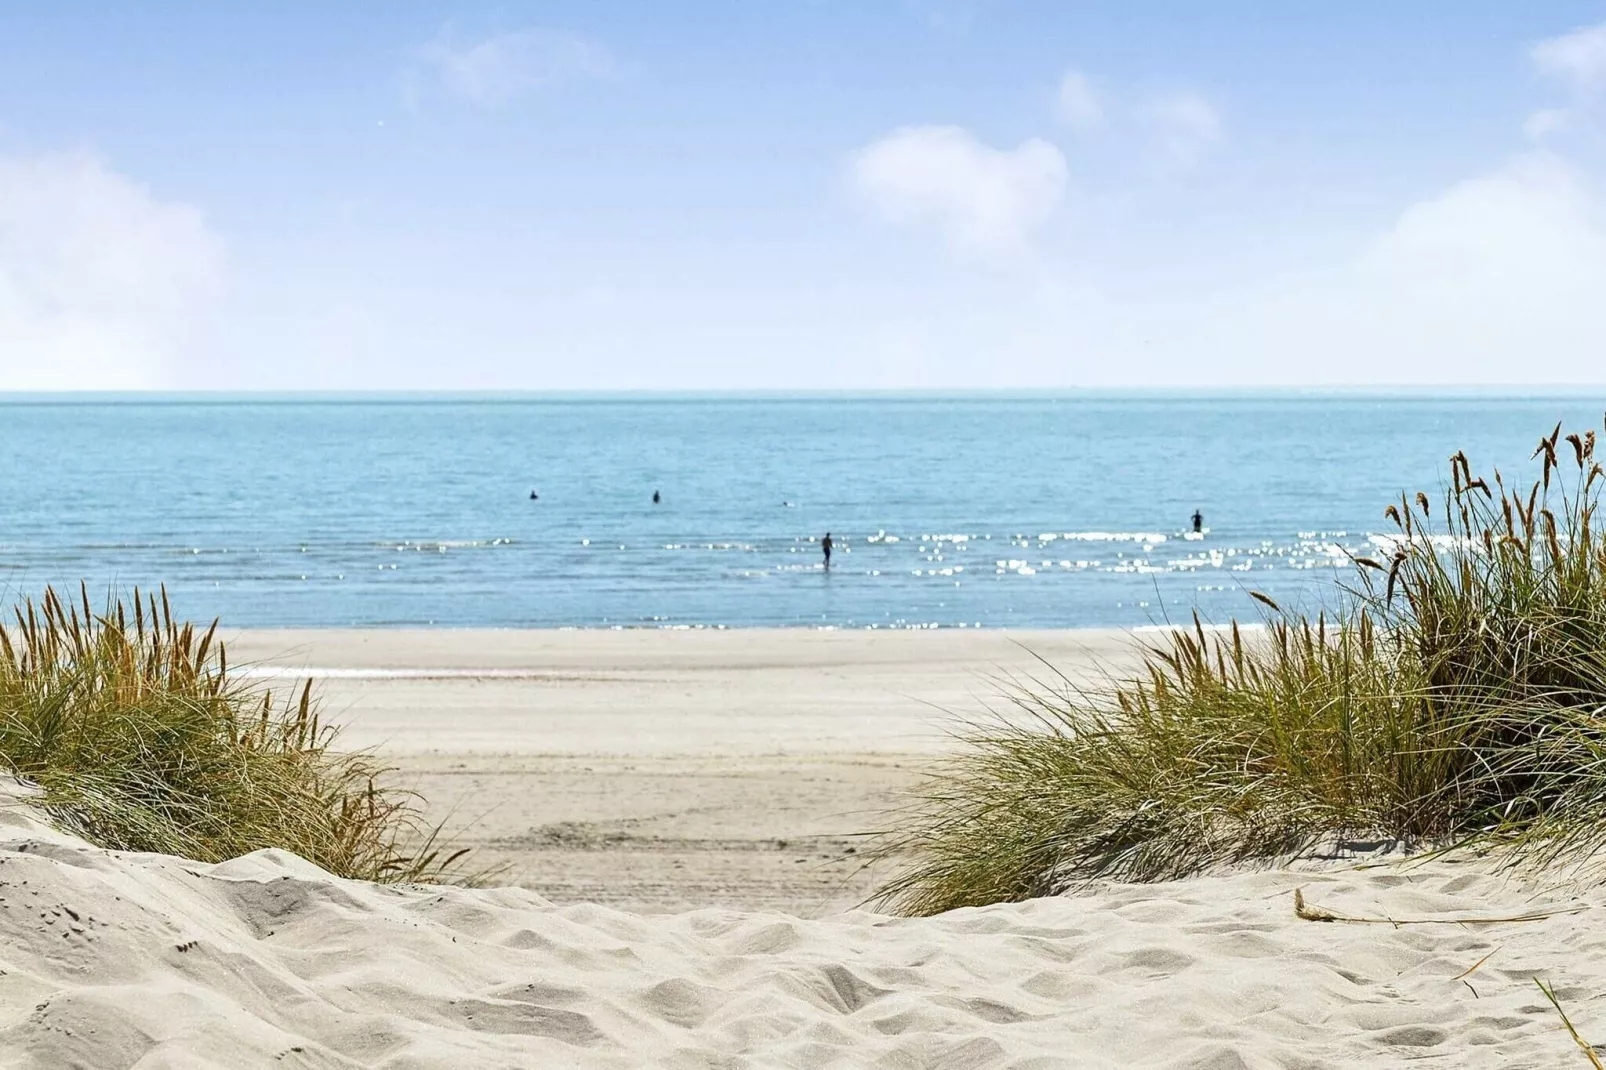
pixel 1457 698
pixel 139 739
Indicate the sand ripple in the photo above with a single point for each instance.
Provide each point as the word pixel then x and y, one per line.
pixel 119 960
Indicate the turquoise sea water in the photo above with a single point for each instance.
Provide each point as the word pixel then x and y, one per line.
pixel 974 511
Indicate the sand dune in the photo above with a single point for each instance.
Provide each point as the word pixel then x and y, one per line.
pixel 122 960
pixel 665 771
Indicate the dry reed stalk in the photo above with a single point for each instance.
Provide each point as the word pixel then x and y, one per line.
pixel 1314 913
pixel 1470 970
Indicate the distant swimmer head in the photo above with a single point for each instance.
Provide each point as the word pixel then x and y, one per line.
pixel 656 498
pixel 534 496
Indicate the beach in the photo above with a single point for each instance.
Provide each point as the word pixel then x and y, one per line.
pixel 660 770
pixel 930 535
pixel 677 814
pixel 676 818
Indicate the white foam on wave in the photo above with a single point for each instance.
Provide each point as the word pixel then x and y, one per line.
pixel 443 545
pixel 1390 542
pixel 1153 537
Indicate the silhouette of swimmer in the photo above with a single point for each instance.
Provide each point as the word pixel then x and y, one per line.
pixel 1198 521
pixel 656 498
pixel 534 496
pixel 825 544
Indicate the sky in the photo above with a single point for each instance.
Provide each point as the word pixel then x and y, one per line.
pixel 804 195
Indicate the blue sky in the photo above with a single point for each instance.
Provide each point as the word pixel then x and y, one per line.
pixel 807 195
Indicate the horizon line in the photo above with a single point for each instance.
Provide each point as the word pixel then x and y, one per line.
pixel 1513 391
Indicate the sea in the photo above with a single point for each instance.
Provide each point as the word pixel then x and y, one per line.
pixel 950 511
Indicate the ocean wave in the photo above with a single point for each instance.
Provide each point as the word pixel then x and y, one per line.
pixel 443 545
pixel 1390 542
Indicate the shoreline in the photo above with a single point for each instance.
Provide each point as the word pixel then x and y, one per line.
pixel 736 629
pixel 411 634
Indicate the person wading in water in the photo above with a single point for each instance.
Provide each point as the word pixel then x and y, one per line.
pixel 825 544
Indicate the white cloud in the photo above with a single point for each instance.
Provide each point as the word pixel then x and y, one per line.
pixel 1492 280
pixel 1186 123
pixel 978 196
pixel 944 16
pixel 1499 271
pixel 1543 122
pixel 1077 104
pixel 1578 57
pixel 102 286
pixel 499 69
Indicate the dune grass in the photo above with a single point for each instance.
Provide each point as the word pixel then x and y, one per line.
pixel 1457 697
pixel 139 739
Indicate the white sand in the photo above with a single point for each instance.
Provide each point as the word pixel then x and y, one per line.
pixel 656 692
pixel 665 770
pixel 727 771
pixel 111 960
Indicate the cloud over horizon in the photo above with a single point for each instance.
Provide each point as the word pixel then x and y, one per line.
pixel 1498 270
pixel 1493 279
pixel 102 286
pixel 1463 284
